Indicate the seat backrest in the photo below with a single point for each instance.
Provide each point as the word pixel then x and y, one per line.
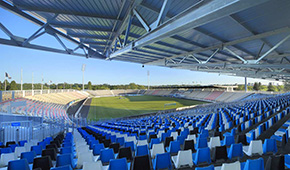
pixel 189 144
pixel 275 162
pixel 236 150
pixel 106 155
pixel 157 149
pixel 68 149
pixel 43 162
pixel 184 158
pixel 202 155
pixel 214 141
pixel 64 159
pixel 256 147
pixel 256 164
pixel 21 164
pixel 270 146
pixel 37 149
pixel 120 140
pixel 97 148
pixel 230 166
pixel 118 164
pixel 167 141
pixel 162 161
pixel 92 165
pixel 174 135
pixel 154 141
pixel 19 150
pixel 131 145
pixel 6 157
pixel 5 150
pixel 115 147
pixel 229 139
pixel 174 147
pixel 191 137
pixel 201 142
pixel 125 153
pixel 49 152
pixel 220 152
pixel 29 156
pixel 142 150
pixel 141 163
pixel 242 139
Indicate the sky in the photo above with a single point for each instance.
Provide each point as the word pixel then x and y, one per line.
pixel 60 68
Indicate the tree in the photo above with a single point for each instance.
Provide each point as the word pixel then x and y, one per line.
pixel 1 85
pixel 271 87
pixel 89 85
pixel 287 86
pixel 256 86
pixel 13 85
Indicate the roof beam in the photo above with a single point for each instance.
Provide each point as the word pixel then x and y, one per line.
pixel 192 18
pixel 162 14
pixel 77 27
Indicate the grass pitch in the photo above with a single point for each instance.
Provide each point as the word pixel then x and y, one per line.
pixel 113 107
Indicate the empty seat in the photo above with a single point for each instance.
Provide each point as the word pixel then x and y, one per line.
pixel 5 158
pixel 97 148
pixel 189 144
pixel 183 158
pixel 118 164
pixel 19 150
pixel 256 164
pixel 275 162
pixel 141 163
pixel 154 141
pixel 65 150
pixel 42 162
pixel 37 149
pixel 157 149
pixel 228 140
pixel 21 164
pixel 201 143
pixel 125 153
pixel 5 150
pixel 115 147
pixel 202 155
pixel 231 166
pixel 131 145
pixel 162 161
pixel 10 143
pixel 22 142
pixel 220 153
pixel 214 141
pixel 174 135
pixel 255 147
pixel 106 155
pixel 120 140
pixel 191 137
pixel 49 152
pixel 29 156
pixel 270 146
pixel 65 159
pixel 242 139
pixel 174 147
pixel 167 141
pixel 142 150
pixel 236 150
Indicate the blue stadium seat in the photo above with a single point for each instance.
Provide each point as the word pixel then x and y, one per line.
pixel 37 149
pixel 131 145
pixel 65 159
pixel 5 150
pixel 270 146
pixel 228 140
pixel 211 167
pixel 180 139
pixel 164 135
pixel 42 144
pixel 236 150
pixel 154 141
pixel 118 164
pixel 66 167
pixel 142 150
pixel 256 164
pixel 21 164
pixel 106 155
pixel 120 140
pixel 287 161
pixel 201 142
pixel 92 143
pixel 202 155
pixel 162 161
pixel 13 146
pixel 97 148
pixel 142 137
pixel 22 142
pixel 68 149
pixel 174 147
pixel 67 144
pixel 29 156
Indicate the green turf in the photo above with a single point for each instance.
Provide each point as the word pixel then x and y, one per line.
pixel 113 107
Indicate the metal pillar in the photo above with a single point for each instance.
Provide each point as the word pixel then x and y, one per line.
pixel 246 84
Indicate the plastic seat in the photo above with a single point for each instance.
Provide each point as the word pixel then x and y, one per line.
pixel 5 150
pixel 22 142
pixel 125 153
pixel 287 161
pixel 106 155
pixel 52 146
pixel 42 162
pixel 154 141
pixel 228 140
pixel 242 139
pixel 255 147
pixel 142 150
pixel 29 156
pixel 189 144
pixel 275 162
pixel 183 158
pixel 236 150
pixel 131 145
pixel 97 148
pixel 21 164
pixel 214 141
pixel 6 157
pixel 92 143
pixel 256 164
pixel 37 149
pixel 157 149
pixel 118 164
pixel 167 141
pixel 65 159
pixel 115 147
pixel 162 161
pixel 141 163
pixel 211 167
pixel 191 137
pixel 65 150
pixel 120 140
pixel 142 142
pixel 202 155
pixel 49 152
pixel 66 167
pixel 174 147
pixel 231 166
pixel 201 143
pixel 10 143
pixel 220 152
pixel 93 165
pixel 85 156
pixel 270 146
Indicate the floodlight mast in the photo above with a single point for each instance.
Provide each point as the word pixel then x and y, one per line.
pixel 21 79
pixel 83 70
pixel 148 82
